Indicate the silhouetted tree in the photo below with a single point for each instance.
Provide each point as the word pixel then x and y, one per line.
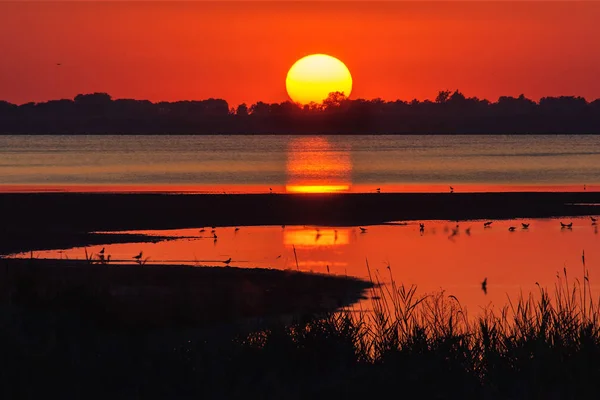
pixel 334 100
pixel 242 110
pixel 260 109
pixel 443 96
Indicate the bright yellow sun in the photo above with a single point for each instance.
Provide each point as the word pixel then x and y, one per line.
pixel 313 77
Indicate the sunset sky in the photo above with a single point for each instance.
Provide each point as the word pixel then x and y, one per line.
pixel 241 51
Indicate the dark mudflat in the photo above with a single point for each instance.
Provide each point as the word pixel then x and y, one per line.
pixel 51 217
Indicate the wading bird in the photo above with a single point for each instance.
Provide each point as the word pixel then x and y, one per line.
pixel 484 286
pixel 101 251
pixel 454 232
pixel 487 224
pixel 226 262
pixel 451 189
pixel 525 226
pixel 202 230
pixel 594 220
pixel 138 257
pixel 362 230
pixel 563 225
pixel 468 231
pixel 511 229
pixel 236 229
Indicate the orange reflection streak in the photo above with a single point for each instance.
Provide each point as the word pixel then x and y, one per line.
pixel 316 188
pixel 316 166
pixel 302 238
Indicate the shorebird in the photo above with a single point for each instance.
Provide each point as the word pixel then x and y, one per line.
pixel 451 189
pixel 468 231
pixel 563 225
pixel 226 262
pixel 335 235
pixel 525 226
pixel 318 235
pixel 282 226
pixel 327 268
pixel 213 231
pixel 484 286
pixel 511 229
pixel 362 230
pixel 215 236
pixel 487 224
pixel 236 229
pixel 202 230
pixel 278 257
pixel 138 257
pixel 594 220
pixel 271 190
pixel 378 190
pixel 101 251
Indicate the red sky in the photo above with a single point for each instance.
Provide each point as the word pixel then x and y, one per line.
pixel 241 51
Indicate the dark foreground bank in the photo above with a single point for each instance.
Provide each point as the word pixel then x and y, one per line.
pixel 543 347
pixel 151 296
pixel 30 220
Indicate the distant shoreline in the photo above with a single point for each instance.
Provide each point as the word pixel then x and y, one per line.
pixel 450 113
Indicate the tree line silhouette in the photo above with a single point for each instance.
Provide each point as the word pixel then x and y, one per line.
pixel 449 113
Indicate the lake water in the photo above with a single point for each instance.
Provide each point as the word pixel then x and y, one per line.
pixel 434 260
pixel 299 163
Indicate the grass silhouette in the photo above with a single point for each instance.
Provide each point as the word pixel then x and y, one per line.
pixel 540 345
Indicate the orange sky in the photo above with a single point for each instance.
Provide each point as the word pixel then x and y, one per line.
pixel 241 51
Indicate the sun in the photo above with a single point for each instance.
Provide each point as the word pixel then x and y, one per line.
pixel 313 77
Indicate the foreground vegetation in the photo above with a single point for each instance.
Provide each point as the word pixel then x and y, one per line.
pixel 544 345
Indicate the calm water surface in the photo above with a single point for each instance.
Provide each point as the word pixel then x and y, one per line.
pixel 433 260
pixel 299 164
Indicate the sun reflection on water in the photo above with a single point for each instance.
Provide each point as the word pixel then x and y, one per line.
pixel 303 238
pixel 314 165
